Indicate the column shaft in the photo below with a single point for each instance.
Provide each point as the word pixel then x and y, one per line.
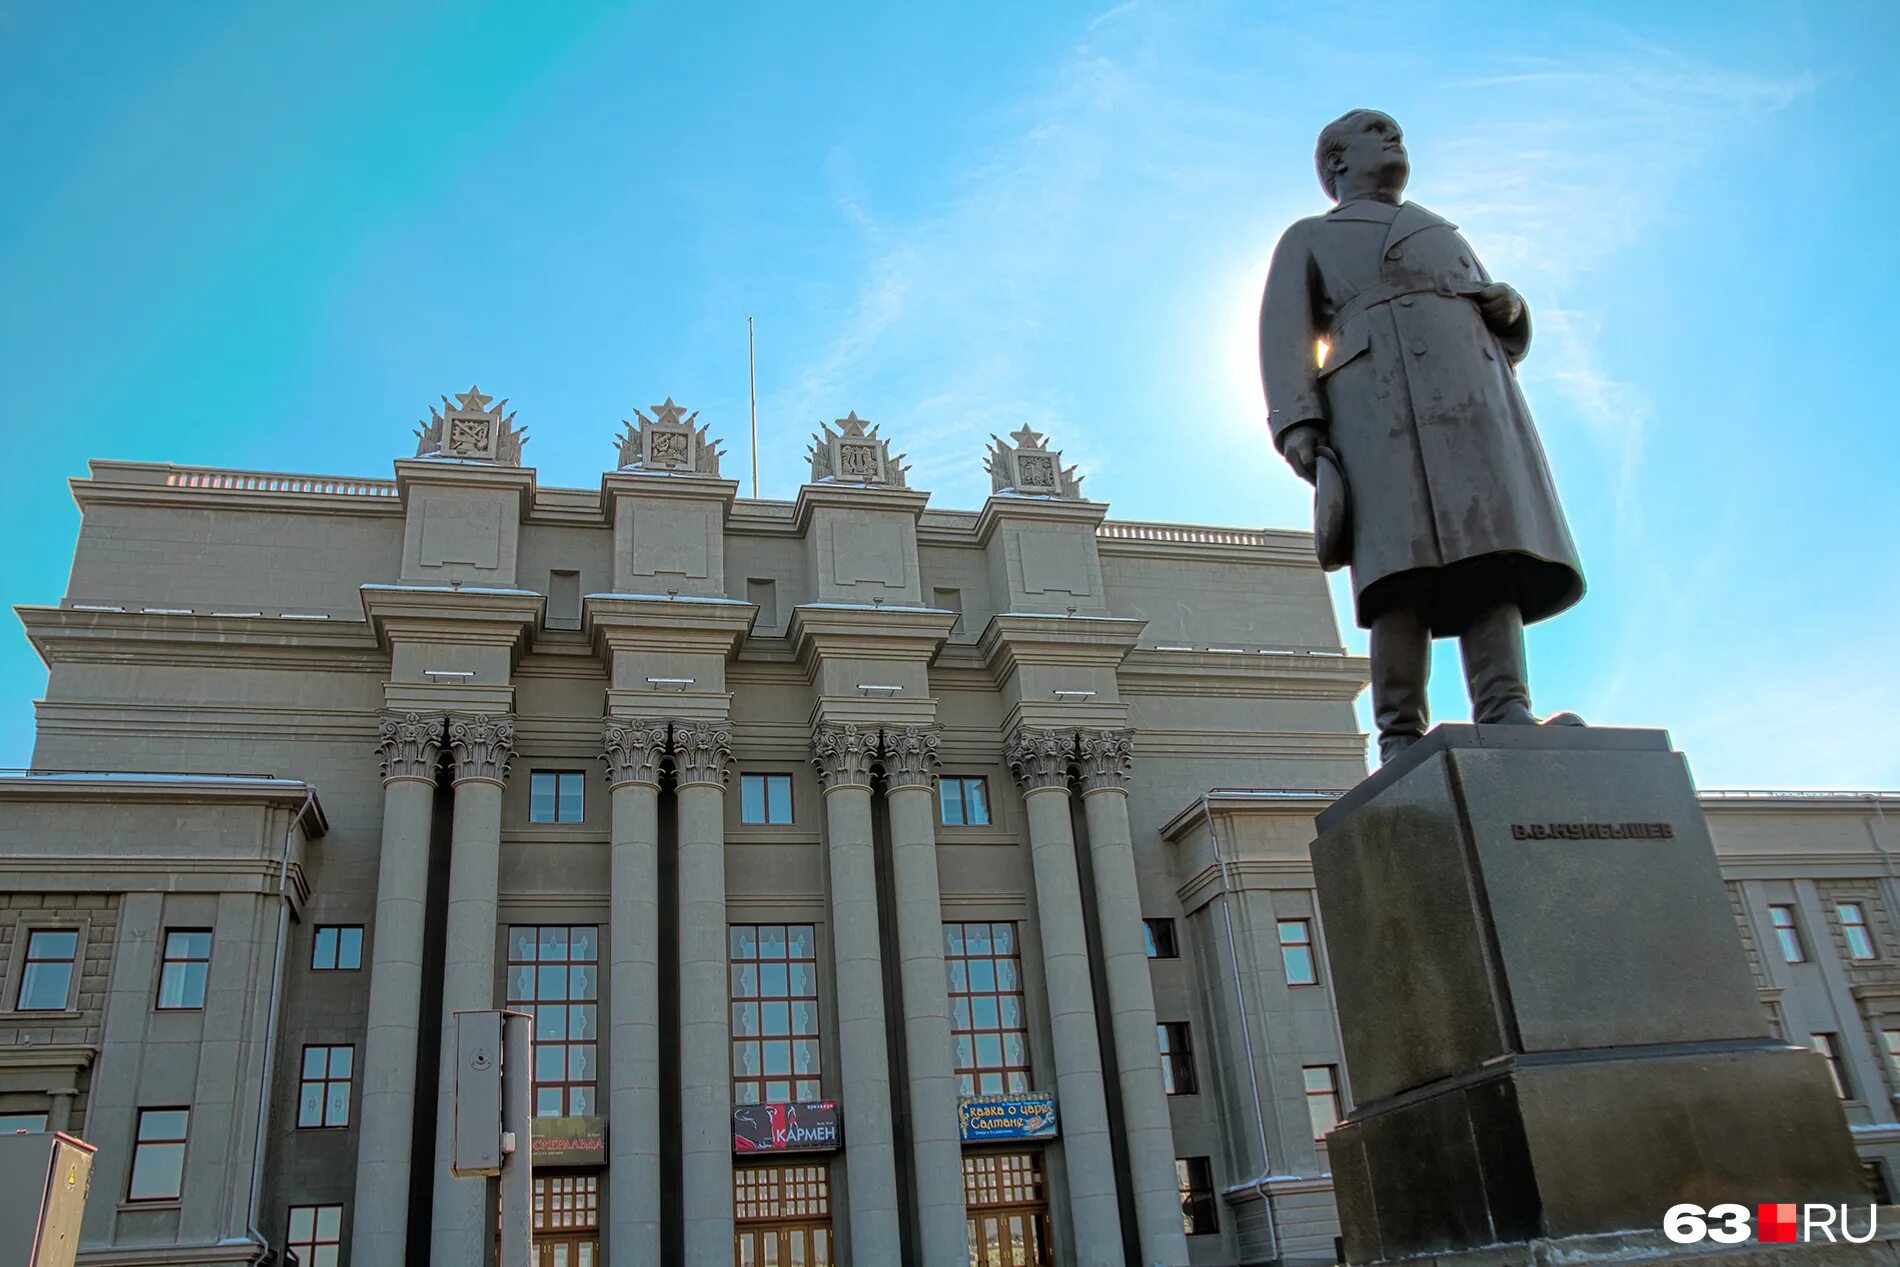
pixel 705 1027
pixel 410 749
pixel 936 1148
pixel 464 1221
pixel 1147 1125
pixel 1081 1104
pixel 633 1017
pixel 863 1050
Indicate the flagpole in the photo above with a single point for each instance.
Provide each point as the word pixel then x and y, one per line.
pixel 752 378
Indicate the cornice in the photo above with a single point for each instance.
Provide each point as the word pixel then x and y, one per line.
pixel 63 634
pixel 454 473
pixel 1268 673
pixel 659 622
pixel 94 786
pixel 448 613
pixel 1248 802
pixel 169 487
pixel 666 486
pixel 1046 510
pixel 1015 638
pixel 1281 547
pixel 73 1056
pixel 857 498
pixel 867 632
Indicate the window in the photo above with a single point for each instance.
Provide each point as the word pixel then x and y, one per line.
pixel 1876 1176
pixel 782 1214
pixel 13 1123
pixel 1195 1175
pixel 989 1037
pixel 316 1234
pixel 554 975
pixel 963 802
pixel 1008 1215
pixel 158 1156
pixel 1177 1058
pixel 1829 1046
pixel 774 1013
pixel 1322 1098
pixel 46 984
pixel 1890 1040
pixel 556 796
pixel 765 798
pixel 1860 941
pixel 1790 937
pixel 337 948
pixel 1157 935
pixel 1296 951
pixel 566 1203
pixel 181 976
pixel 323 1097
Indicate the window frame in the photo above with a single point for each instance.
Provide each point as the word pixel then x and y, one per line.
pixel 315 1242
pixel 568 1041
pixel 758 1079
pixel 971 998
pixel 1828 1043
pixel 75 963
pixel 1794 949
pixel 1329 1093
pixel 560 777
pixel 1151 944
pixel 765 781
pixel 42 1114
pixel 962 782
pixel 1194 1181
pixel 327 1080
pixel 140 1143
pixel 1176 1040
pixel 336 956
pixel 167 961
pixel 1306 944
pixel 1858 924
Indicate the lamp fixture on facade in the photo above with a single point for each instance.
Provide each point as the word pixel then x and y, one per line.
pixel 676 683
pixel 1074 695
pixel 874 688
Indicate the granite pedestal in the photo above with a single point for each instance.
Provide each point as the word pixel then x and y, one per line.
pixel 1550 1027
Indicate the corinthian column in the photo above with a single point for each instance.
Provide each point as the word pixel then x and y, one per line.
pixel 481 746
pixel 632 752
pixel 1041 761
pixel 701 753
pixel 1147 1126
pixel 910 779
pixel 843 755
pixel 410 747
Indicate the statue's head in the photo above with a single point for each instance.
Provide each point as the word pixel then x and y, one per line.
pixel 1359 153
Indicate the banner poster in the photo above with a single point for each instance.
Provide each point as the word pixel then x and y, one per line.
pixel 569 1141
pixel 990 1118
pixel 786 1128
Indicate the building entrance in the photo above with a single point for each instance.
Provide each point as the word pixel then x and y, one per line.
pixel 567 1220
pixel 1008 1215
pixel 782 1216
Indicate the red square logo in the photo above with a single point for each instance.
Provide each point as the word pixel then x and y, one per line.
pixel 1775 1222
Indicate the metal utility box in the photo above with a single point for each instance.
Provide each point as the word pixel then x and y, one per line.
pixel 44 1179
pixel 478 1055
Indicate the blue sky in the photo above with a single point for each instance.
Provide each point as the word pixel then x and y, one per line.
pixel 269 236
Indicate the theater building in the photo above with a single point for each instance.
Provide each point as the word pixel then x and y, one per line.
pixel 888 884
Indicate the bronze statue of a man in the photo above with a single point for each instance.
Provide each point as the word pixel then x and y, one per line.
pixel 1454 523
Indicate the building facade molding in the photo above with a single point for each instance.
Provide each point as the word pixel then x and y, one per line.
pixel 409 745
pixel 1040 757
pixel 633 750
pixel 702 753
pixel 1106 757
pixel 911 756
pixel 482 746
pixel 843 755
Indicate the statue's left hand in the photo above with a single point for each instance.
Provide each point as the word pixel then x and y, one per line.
pixel 1502 306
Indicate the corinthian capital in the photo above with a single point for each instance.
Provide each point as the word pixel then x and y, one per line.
pixel 633 750
pixel 409 745
pixel 702 752
pixel 910 756
pixel 1105 756
pixel 1041 758
pixel 482 746
pixel 843 755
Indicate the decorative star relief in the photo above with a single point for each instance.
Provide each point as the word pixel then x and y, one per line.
pixel 854 455
pixel 669 441
pixel 1029 467
pixel 469 430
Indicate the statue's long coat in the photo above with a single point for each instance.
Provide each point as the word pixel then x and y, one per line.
pixel 1420 401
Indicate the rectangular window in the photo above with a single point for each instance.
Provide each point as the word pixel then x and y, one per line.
pixel 765 799
pixel 1890 1040
pixel 323 1093
pixel 554 976
pixel 775 1193
pixel 316 1234
pixel 1877 1187
pixel 1296 952
pixel 337 948
pixel 1195 1175
pixel 556 796
pixel 13 1123
pixel 46 984
pixel 988 1033
pixel 1008 1211
pixel 181 976
pixel 1157 937
pixel 158 1155
pixel 1177 1058
pixel 1322 1098
pixel 963 802
pixel 1790 937
pixel 1829 1045
pixel 774 1013
pixel 1860 941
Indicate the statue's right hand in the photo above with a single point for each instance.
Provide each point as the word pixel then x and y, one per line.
pixel 1300 445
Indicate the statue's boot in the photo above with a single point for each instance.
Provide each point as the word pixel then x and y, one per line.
pixel 1401 661
pixel 1495 673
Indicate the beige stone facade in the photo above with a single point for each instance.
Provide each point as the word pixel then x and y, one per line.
pixel 845 799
